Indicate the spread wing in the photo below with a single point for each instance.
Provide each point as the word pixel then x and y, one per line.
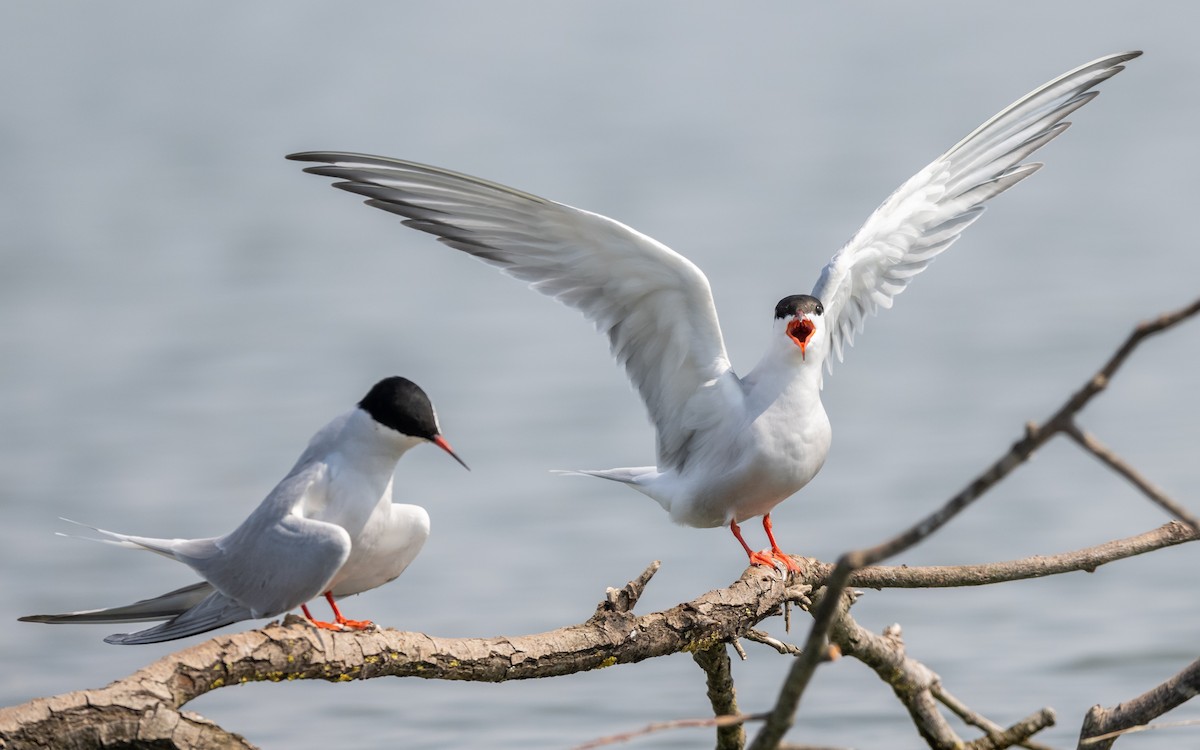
pixel 929 211
pixel 655 306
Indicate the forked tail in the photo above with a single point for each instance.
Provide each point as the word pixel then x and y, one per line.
pixel 639 478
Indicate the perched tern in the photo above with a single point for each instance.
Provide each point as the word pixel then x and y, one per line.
pixel 330 527
pixel 729 448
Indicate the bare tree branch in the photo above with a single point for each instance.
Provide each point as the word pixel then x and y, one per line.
pixel 295 651
pixel 719 679
pixel 1141 710
pixel 760 637
pixel 1101 379
pixel 1090 444
pixel 951 576
pixel 782 716
pixel 911 681
pixel 994 731
pixel 1090 741
pixel 1017 734
pixel 62 722
pixel 145 707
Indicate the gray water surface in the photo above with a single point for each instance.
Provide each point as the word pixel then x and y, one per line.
pixel 181 308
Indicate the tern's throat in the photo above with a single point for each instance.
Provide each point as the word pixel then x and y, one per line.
pixel 783 375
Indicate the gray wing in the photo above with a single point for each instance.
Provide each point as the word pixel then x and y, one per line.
pixel 214 611
pixel 277 559
pixel 929 211
pixel 273 562
pixel 654 305
pixel 170 604
pixel 190 610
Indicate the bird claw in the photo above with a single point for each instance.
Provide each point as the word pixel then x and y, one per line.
pixel 344 626
pixel 777 560
pixel 787 561
pixel 765 560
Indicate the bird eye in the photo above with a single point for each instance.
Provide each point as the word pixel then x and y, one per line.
pixel 820 309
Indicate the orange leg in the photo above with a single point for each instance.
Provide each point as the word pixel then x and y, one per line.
pixel 346 624
pixel 777 553
pixel 756 558
pixel 340 622
pixel 319 623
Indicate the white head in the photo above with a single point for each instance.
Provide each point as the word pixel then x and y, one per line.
pixel 801 325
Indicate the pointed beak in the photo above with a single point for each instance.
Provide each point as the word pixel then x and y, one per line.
pixel 800 330
pixel 440 442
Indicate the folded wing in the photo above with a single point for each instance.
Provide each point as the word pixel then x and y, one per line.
pixel 170 604
pixel 275 561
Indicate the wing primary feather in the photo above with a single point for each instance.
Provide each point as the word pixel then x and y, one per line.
pixel 654 305
pixel 213 612
pixel 163 607
pixel 927 214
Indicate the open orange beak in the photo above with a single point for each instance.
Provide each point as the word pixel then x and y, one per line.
pixel 801 331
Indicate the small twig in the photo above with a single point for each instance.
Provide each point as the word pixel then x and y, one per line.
pixel 737 646
pixel 994 731
pixel 798 593
pixel 624 598
pixel 1016 734
pixel 760 637
pixel 718 721
pixel 1090 444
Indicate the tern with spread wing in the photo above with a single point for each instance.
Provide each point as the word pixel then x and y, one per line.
pixel 329 528
pixel 729 448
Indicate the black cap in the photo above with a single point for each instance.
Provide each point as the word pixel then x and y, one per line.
pixel 798 304
pixel 400 404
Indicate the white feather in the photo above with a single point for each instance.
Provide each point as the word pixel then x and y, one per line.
pixel 729 448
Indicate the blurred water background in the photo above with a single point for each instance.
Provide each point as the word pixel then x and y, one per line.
pixel 180 308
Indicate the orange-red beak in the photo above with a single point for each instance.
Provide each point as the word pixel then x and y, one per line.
pixel 440 442
pixel 801 331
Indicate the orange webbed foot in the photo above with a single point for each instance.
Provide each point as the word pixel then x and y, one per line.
pixel 762 559
pixel 775 559
pixel 789 562
pixel 342 621
pixel 320 623
pixel 341 625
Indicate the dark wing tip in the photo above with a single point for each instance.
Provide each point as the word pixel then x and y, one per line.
pixel 327 156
